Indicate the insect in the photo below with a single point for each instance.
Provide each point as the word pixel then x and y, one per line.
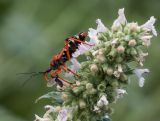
pixel 58 61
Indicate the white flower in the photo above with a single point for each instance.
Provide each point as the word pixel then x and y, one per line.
pixel 121 18
pixel 96 109
pixel 141 58
pixel 149 25
pixel 94 32
pixel 93 36
pixel 63 114
pixel 46 116
pixel 100 26
pixel 82 48
pixel 120 68
pixel 74 67
pixel 139 73
pixel 41 119
pixel 102 101
pixel 146 40
pixel 120 93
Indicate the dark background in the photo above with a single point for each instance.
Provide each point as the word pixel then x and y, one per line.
pixel 31 31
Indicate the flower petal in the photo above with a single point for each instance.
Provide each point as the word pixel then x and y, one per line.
pixel 139 73
pixel 121 18
pixel 102 101
pixel 149 25
pixel 100 26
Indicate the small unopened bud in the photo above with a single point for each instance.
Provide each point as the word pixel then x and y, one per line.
pixel 134 27
pixel 78 83
pixel 120 49
pixel 100 58
pixel 133 51
pixel 92 91
pixel 132 42
pixel 89 86
pixel 109 71
pixel 57 109
pixel 93 68
pixel 101 51
pixel 82 104
pixel 78 90
pixel 64 96
pixel 116 74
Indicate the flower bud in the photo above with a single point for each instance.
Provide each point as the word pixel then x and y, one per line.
pixel 78 90
pixel 120 49
pixel 94 68
pixel 124 78
pixel 114 83
pixel 126 30
pixel 119 59
pixel 64 96
pixel 116 74
pixel 57 109
pixel 101 51
pixel 133 51
pixel 92 91
pixel 132 42
pixel 134 27
pixel 89 86
pixel 82 104
pixel 100 58
pixel 109 71
pixel 78 83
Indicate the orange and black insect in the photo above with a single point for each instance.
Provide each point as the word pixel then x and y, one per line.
pixel 58 61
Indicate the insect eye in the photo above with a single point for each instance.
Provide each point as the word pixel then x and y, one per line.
pixel 82 35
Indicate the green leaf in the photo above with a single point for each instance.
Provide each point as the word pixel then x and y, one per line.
pixel 55 96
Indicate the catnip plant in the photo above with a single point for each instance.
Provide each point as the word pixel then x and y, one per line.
pixel 118 53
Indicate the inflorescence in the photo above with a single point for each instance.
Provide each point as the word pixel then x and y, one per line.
pixel 118 53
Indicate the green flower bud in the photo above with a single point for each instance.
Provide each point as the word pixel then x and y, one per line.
pixel 126 30
pixel 82 104
pixel 133 51
pixel 64 96
pixel 120 49
pixel 74 103
pixel 120 34
pixel 132 42
pixel 101 36
pixel 92 91
pixel 114 83
pixel 109 71
pixel 119 59
pixel 101 58
pixel 78 90
pixel 133 27
pixel 124 78
pixel 84 82
pixel 112 54
pixel 93 68
pixel 89 86
pixel 85 94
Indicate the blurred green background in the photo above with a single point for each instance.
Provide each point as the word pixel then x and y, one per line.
pixel 31 31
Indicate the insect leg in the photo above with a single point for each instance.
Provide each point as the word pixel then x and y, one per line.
pixel 69 70
pixel 82 42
